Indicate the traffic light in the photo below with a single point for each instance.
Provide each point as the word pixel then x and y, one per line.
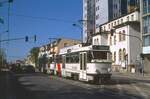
pixel 26 39
pixel 34 38
pixel 10 1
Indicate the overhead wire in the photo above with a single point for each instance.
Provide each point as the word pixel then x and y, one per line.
pixel 41 18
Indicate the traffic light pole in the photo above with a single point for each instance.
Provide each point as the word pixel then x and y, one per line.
pixel 13 39
pixel 21 38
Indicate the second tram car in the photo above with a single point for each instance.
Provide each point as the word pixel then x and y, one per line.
pixel 86 63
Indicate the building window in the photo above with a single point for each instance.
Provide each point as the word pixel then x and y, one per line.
pixel 132 17
pixel 85 16
pixel 85 8
pixel 121 20
pixel 118 22
pixel 146 24
pixel 109 26
pixel 97 0
pixel 104 28
pixel 112 25
pixel 124 54
pixel 115 40
pixel 97 17
pixel 120 54
pixel 127 18
pixel 123 35
pixel 95 41
pixel 120 36
pixel 97 8
pixel 145 6
pixel 65 44
pixel 110 41
pixel 115 23
pixel 97 25
pixel 114 56
pixel 149 6
pixel 146 40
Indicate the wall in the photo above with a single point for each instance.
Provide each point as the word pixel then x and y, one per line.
pixel 135 43
pixel 147 65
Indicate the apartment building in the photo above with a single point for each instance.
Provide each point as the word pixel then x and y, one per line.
pixel 123 36
pixel 97 12
pixel 133 5
pixel 145 29
pixel 102 12
pixel 52 49
pixel 49 53
pixel 88 20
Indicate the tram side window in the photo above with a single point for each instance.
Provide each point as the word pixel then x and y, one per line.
pixel 89 57
pixel 67 59
pixel 72 58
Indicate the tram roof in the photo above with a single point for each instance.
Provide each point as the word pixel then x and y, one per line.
pixel 80 48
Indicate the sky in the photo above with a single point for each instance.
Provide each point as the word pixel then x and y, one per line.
pixel 44 18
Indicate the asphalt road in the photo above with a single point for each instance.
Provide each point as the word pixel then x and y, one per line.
pixel 41 86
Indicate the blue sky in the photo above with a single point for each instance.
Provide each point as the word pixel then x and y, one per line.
pixel 50 18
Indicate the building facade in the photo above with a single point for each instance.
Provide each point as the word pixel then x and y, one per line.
pixel 88 20
pixel 54 47
pixel 97 12
pixel 133 5
pixel 145 29
pixel 49 53
pixel 101 11
pixel 117 8
pixel 123 37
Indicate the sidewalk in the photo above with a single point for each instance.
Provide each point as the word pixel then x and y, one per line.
pixel 137 76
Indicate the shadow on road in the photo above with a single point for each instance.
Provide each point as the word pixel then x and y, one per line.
pixel 68 91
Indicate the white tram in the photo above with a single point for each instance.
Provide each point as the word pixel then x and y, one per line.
pixel 86 63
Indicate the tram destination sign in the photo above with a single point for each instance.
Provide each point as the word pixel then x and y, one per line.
pixel 100 47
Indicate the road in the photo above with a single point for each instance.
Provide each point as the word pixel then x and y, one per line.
pixel 41 86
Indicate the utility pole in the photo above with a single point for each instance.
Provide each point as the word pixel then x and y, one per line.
pixel 1 47
pixel 2 2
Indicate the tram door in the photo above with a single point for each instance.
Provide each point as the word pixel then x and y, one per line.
pixel 83 63
pixel 63 65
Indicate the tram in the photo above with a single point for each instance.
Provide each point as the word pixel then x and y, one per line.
pixel 86 63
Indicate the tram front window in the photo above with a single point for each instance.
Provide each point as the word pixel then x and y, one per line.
pixel 99 55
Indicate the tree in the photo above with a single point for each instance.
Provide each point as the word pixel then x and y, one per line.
pixel 43 60
pixel 34 52
pixel 2 57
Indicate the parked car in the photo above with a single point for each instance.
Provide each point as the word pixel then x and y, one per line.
pixel 16 68
pixel 28 69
